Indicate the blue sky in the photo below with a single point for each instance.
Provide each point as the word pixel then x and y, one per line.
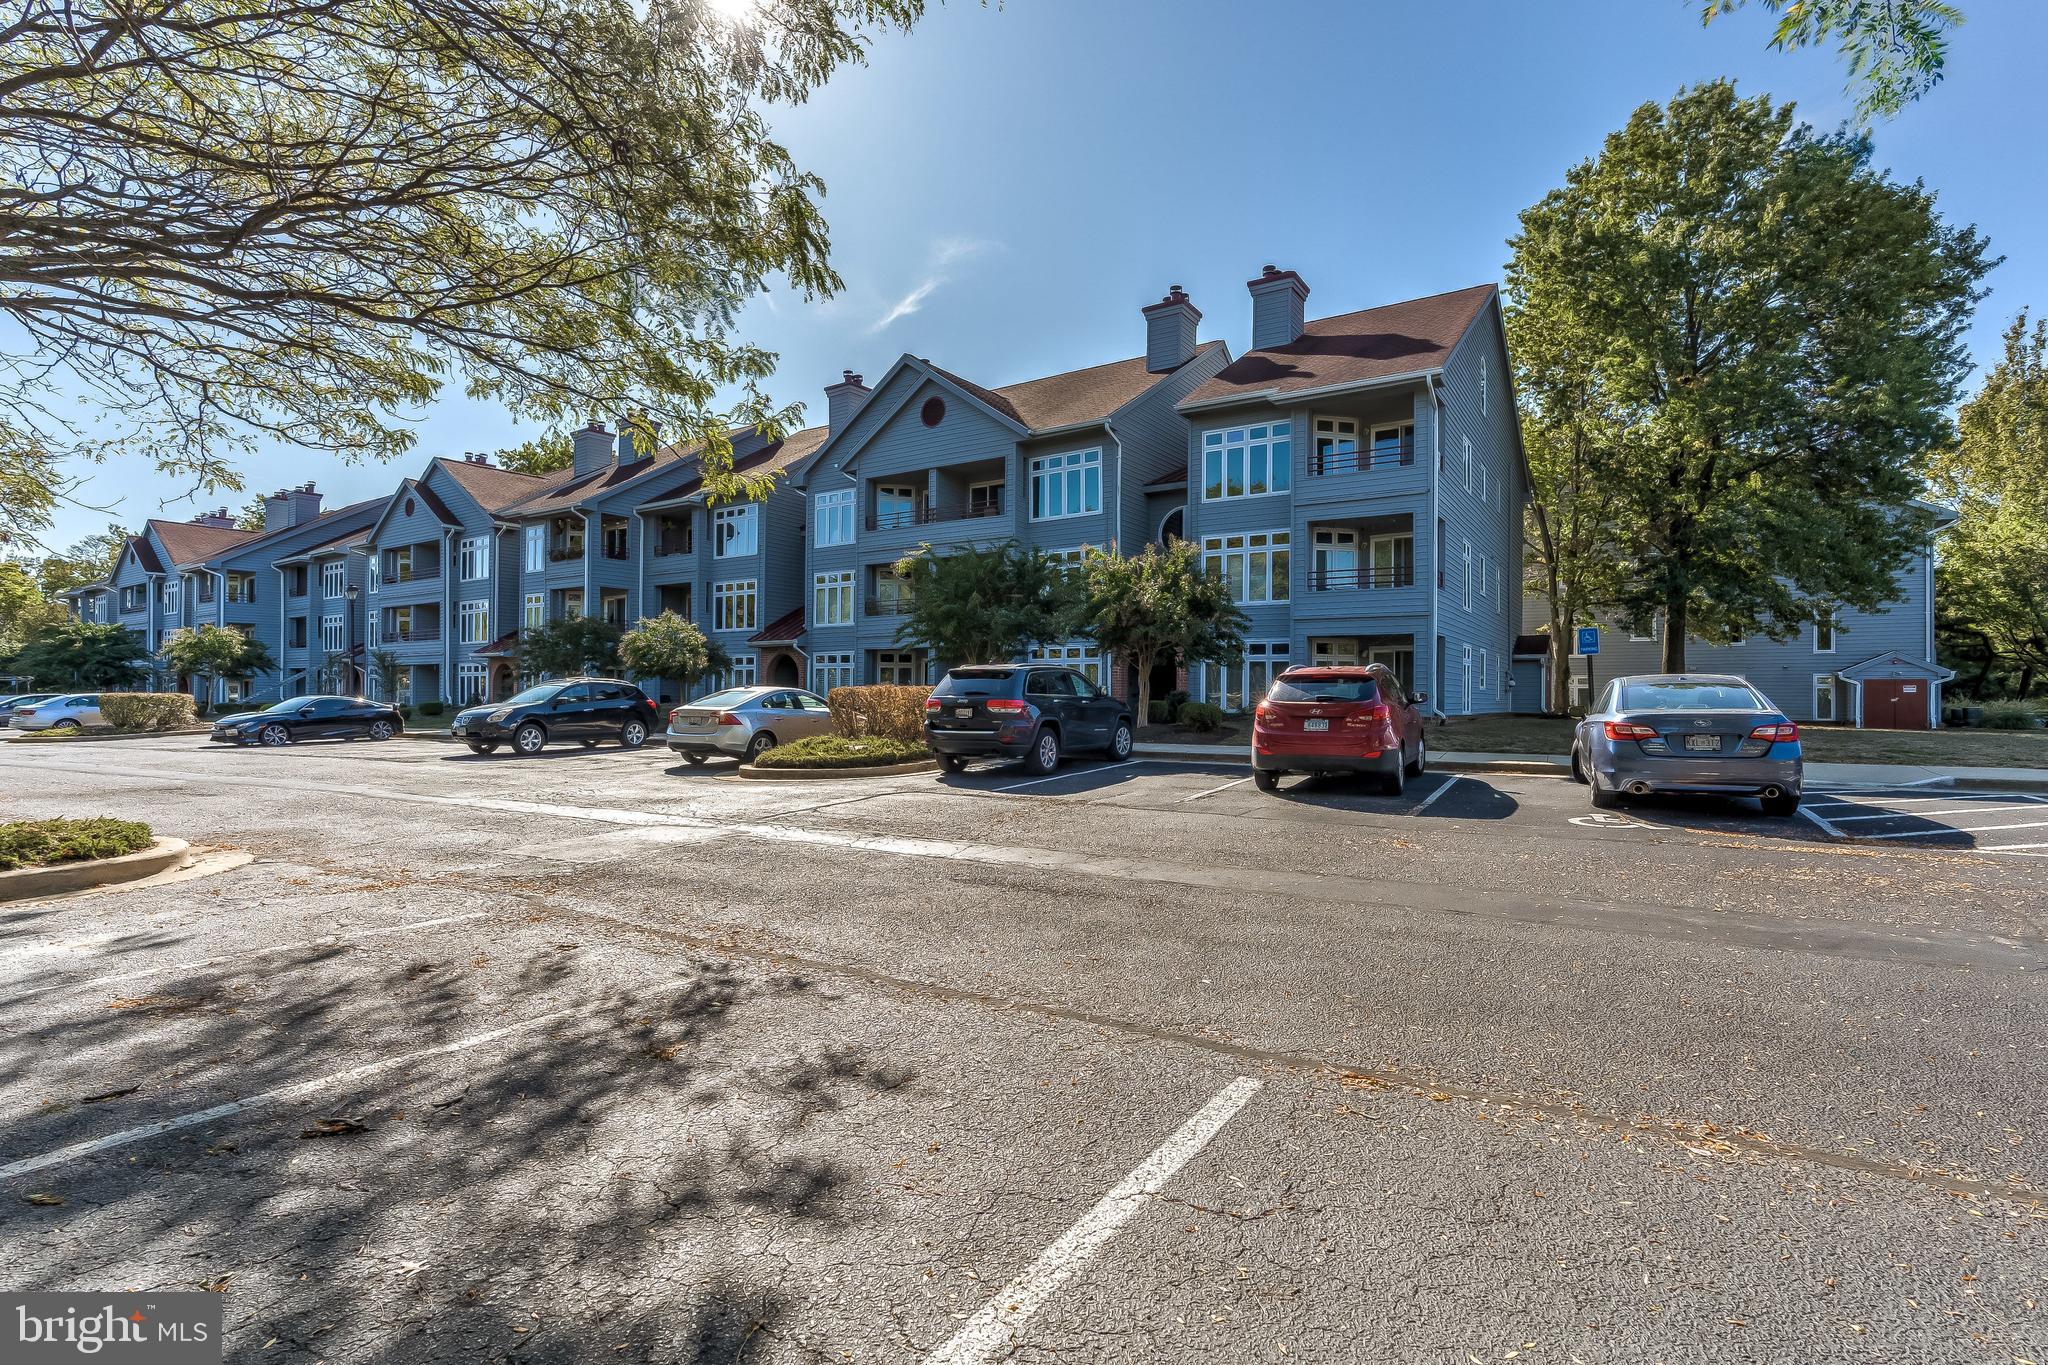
pixel 1008 186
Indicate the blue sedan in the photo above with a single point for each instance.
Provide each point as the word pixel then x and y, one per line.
pixel 1688 732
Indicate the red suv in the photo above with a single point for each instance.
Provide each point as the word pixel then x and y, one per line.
pixel 1338 720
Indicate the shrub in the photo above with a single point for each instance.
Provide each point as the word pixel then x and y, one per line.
pixel 2010 715
pixel 405 711
pixel 198 708
pixel 146 710
pixel 892 712
pixel 1175 700
pixel 34 843
pixel 1159 712
pixel 838 751
pixel 431 708
pixel 1200 717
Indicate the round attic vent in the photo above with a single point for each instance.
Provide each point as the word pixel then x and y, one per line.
pixel 408 506
pixel 934 411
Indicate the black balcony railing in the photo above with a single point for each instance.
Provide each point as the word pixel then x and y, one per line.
pixel 414 635
pixel 1381 456
pixel 987 505
pixel 894 517
pixel 614 552
pixel 888 606
pixel 412 573
pixel 1340 580
pixel 677 545
pixel 559 553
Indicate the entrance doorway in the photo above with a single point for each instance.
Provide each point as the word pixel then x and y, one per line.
pixel 1895 704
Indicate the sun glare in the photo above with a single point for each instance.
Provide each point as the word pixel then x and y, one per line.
pixel 733 11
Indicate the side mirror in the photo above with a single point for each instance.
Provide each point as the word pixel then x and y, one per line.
pixel 305 711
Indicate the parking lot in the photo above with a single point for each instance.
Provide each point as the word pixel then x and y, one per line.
pixel 590 1056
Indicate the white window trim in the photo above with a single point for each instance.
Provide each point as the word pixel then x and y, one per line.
pixel 536 549
pixel 333 627
pixel 1224 446
pixel 745 520
pixel 1825 681
pixel 1467 544
pixel 725 600
pixel 1468 462
pixel 375 572
pixel 1037 467
pixel 837 588
pixel 1834 635
pixel 1277 539
pixel 1273 656
pixel 828 509
pixel 473 559
pixel 475 609
pixel 333 581
pixel 836 668
pixel 534 610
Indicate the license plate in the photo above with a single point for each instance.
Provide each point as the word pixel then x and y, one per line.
pixel 457 729
pixel 964 712
pixel 1704 743
pixel 1321 724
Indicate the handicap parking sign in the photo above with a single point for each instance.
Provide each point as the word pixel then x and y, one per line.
pixel 1589 639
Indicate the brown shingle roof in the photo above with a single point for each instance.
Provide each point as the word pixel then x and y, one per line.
pixel 495 488
pixel 560 496
pixel 1078 396
pixel 768 459
pixel 190 544
pixel 1353 348
pixel 782 630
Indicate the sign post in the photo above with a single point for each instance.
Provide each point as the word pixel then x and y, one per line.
pixel 1589 645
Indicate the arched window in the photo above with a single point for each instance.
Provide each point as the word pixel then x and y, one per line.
pixel 1171 528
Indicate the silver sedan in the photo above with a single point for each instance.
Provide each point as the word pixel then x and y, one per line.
pixel 1688 732
pixel 746 722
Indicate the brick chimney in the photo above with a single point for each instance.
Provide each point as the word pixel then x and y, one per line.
pixel 1170 331
pixel 1277 297
pixel 593 447
pixel 842 400
pixel 220 518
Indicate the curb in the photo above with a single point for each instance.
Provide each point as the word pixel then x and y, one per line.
pixel 88 737
pixel 1439 760
pixel 923 765
pixel 161 856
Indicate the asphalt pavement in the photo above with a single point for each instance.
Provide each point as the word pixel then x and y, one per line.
pixel 591 1057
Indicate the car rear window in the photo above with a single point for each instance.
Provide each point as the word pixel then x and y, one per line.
pixel 1689 696
pixel 977 682
pixel 1324 689
pixel 732 696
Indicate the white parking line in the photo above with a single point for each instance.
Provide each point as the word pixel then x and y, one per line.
pixel 993 1331
pixel 315 1086
pixel 321 942
pixel 1825 826
pixel 1938 833
pixel 1924 814
pixel 1945 796
pixel 1236 782
pixel 1080 772
pixel 1436 795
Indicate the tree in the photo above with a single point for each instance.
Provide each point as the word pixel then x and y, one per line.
pixel 980 605
pixel 667 646
pixel 1775 331
pixel 1895 49
pixel 260 222
pixel 1994 566
pixel 385 672
pixel 85 654
pixel 574 644
pixel 252 515
pixel 213 653
pixel 544 454
pixel 25 612
pixel 1157 606
pixel 87 561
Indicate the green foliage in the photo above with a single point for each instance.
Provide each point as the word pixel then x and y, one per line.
pixel 1895 49
pixel 880 710
pixel 385 669
pixel 250 518
pixel 146 710
pixel 548 453
pixel 2011 715
pixel 973 605
pixel 1994 567
pixel 25 611
pixel 432 708
pixel 1201 717
pixel 84 655
pixel 667 646
pixel 1767 334
pixel 215 652
pixel 1160 605
pixel 37 843
pixel 306 220
pixel 574 644
pixel 838 751
pixel 87 561
pixel 1158 712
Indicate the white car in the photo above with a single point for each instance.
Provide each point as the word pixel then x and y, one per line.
pixel 70 711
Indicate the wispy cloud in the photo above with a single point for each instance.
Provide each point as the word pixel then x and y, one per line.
pixel 946 253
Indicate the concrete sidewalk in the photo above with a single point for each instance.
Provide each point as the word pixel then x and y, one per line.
pixel 1817 774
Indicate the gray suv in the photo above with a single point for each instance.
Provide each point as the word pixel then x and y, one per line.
pixel 1032 712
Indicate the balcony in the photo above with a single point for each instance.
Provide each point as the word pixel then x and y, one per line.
pixel 407 572
pixel 672 545
pixel 560 554
pixel 1345 580
pixel 888 606
pixel 1383 455
pixel 413 635
pixel 615 552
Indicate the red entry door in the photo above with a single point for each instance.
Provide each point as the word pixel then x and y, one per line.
pixel 1895 705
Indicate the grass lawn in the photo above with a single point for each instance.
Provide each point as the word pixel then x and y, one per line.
pixel 1823 743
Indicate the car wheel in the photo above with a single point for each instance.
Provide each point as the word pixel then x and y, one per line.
pixel 1421 757
pixel 274 736
pixel 68 723
pixel 633 734
pixel 1396 782
pixel 758 745
pixel 1781 807
pixel 482 746
pixel 1120 742
pixel 1604 800
pixel 1045 752
pixel 953 763
pixel 529 738
pixel 1267 779
pixel 1578 769
pixel 381 729
pixel 694 760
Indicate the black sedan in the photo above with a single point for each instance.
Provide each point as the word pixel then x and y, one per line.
pixel 310 718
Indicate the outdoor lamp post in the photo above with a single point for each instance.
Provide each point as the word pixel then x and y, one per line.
pixel 348 634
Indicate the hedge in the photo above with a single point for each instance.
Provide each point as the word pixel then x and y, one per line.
pixel 34 843
pixel 892 712
pixel 837 751
pixel 2010 715
pixel 146 710
pixel 1200 717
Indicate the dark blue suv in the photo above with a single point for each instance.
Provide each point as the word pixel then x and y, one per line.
pixel 1033 712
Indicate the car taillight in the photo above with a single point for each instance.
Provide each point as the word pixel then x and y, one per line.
pixel 728 718
pixel 1260 715
pixel 673 714
pixel 1621 729
pixel 933 704
pixel 1376 714
pixel 1006 706
pixel 1781 734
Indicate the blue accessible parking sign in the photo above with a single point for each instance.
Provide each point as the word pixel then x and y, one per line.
pixel 1589 640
